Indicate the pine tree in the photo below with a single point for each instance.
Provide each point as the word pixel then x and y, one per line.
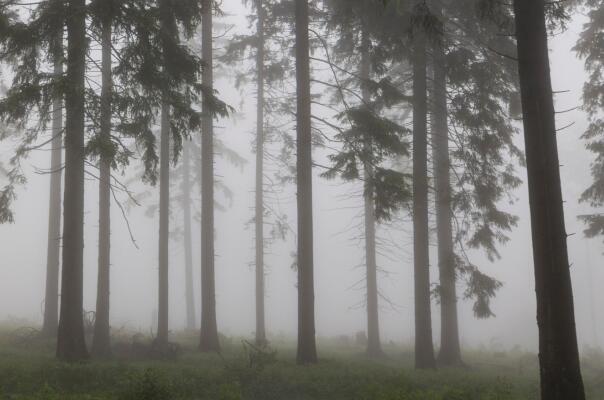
pixel 101 346
pixel 259 199
pixel 51 297
pixel 71 345
pixel 307 352
pixel 208 341
pixel 424 348
pixel 558 350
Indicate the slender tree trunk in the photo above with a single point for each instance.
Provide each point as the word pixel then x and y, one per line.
pixel 71 345
pixel 101 344
pixel 188 241
pixel 259 217
pixel 374 346
pixel 424 348
pixel 558 350
pixel 450 351
pixel 208 341
pixel 164 229
pixel 307 351
pixel 592 299
pixel 51 299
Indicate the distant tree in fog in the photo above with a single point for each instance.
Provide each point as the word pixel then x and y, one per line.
pixel 208 341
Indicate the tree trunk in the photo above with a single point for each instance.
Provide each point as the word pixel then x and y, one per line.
pixel 424 348
pixel 307 352
pixel 164 229
pixel 101 345
pixel 374 346
pixel 450 351
pixel 51 299
pixel 259 217
pixel 208 341
pixel 188 242
pixel 558 351
pixel 71 345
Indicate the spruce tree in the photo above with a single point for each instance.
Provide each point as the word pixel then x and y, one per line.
pixel 208 341
pixel 558 350
pixel 307 351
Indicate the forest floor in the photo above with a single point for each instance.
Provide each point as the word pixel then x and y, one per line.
pixel 28 371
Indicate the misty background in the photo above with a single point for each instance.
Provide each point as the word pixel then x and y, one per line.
pixel 338 248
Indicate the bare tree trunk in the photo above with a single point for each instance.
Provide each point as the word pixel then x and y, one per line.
pixel 71 345
pixel 307 351
pixel 558 350
pixel 164 229
pixel 101 344
pixel 51 299
pixel 259 217
pixel 188 241
pixel 208 341
pixel 424 348
pixel 450 350
pixel 374 346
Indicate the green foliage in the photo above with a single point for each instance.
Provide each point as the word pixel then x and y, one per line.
pixel 32 374
pixel 591 47
pixel 154 67
pixel 150 385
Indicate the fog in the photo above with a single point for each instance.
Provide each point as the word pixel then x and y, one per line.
pixel 339 291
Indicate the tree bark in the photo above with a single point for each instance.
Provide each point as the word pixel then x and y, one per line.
pixel 51 298
pixel 558 350
pixel 259 208
pixel 450 350
pixel 188 242
pixel 71 345
pixel 101 344
pixel 208 341
pixel 374 346
pixel 424 348
pixel 307 351
pixel 164 229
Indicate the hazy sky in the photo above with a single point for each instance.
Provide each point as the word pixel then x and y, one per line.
pixel 337 253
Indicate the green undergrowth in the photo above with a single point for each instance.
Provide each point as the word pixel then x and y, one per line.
pixel 28 371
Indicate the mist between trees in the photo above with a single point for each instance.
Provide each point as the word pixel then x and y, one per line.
pixel 408 176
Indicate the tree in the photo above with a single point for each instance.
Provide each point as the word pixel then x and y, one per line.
pixel 450 349
pixel 71 345
pixel 424 348
pixel 307 352
pixel 51 298
pixel 374 139
pixel 101 346
pixel 188 244
pixel 208 341
pixel 259 199
pixel 374 346
pixel 558 350
pixel 169 36
pixel 260 61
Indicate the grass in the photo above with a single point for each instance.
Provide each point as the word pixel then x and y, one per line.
pixel 28 371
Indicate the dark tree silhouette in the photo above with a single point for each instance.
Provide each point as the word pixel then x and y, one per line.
pixel 71 345
pixel 558 351
pixel 101 344
pixel 307 351
pixel 424 348
pixel 51 298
